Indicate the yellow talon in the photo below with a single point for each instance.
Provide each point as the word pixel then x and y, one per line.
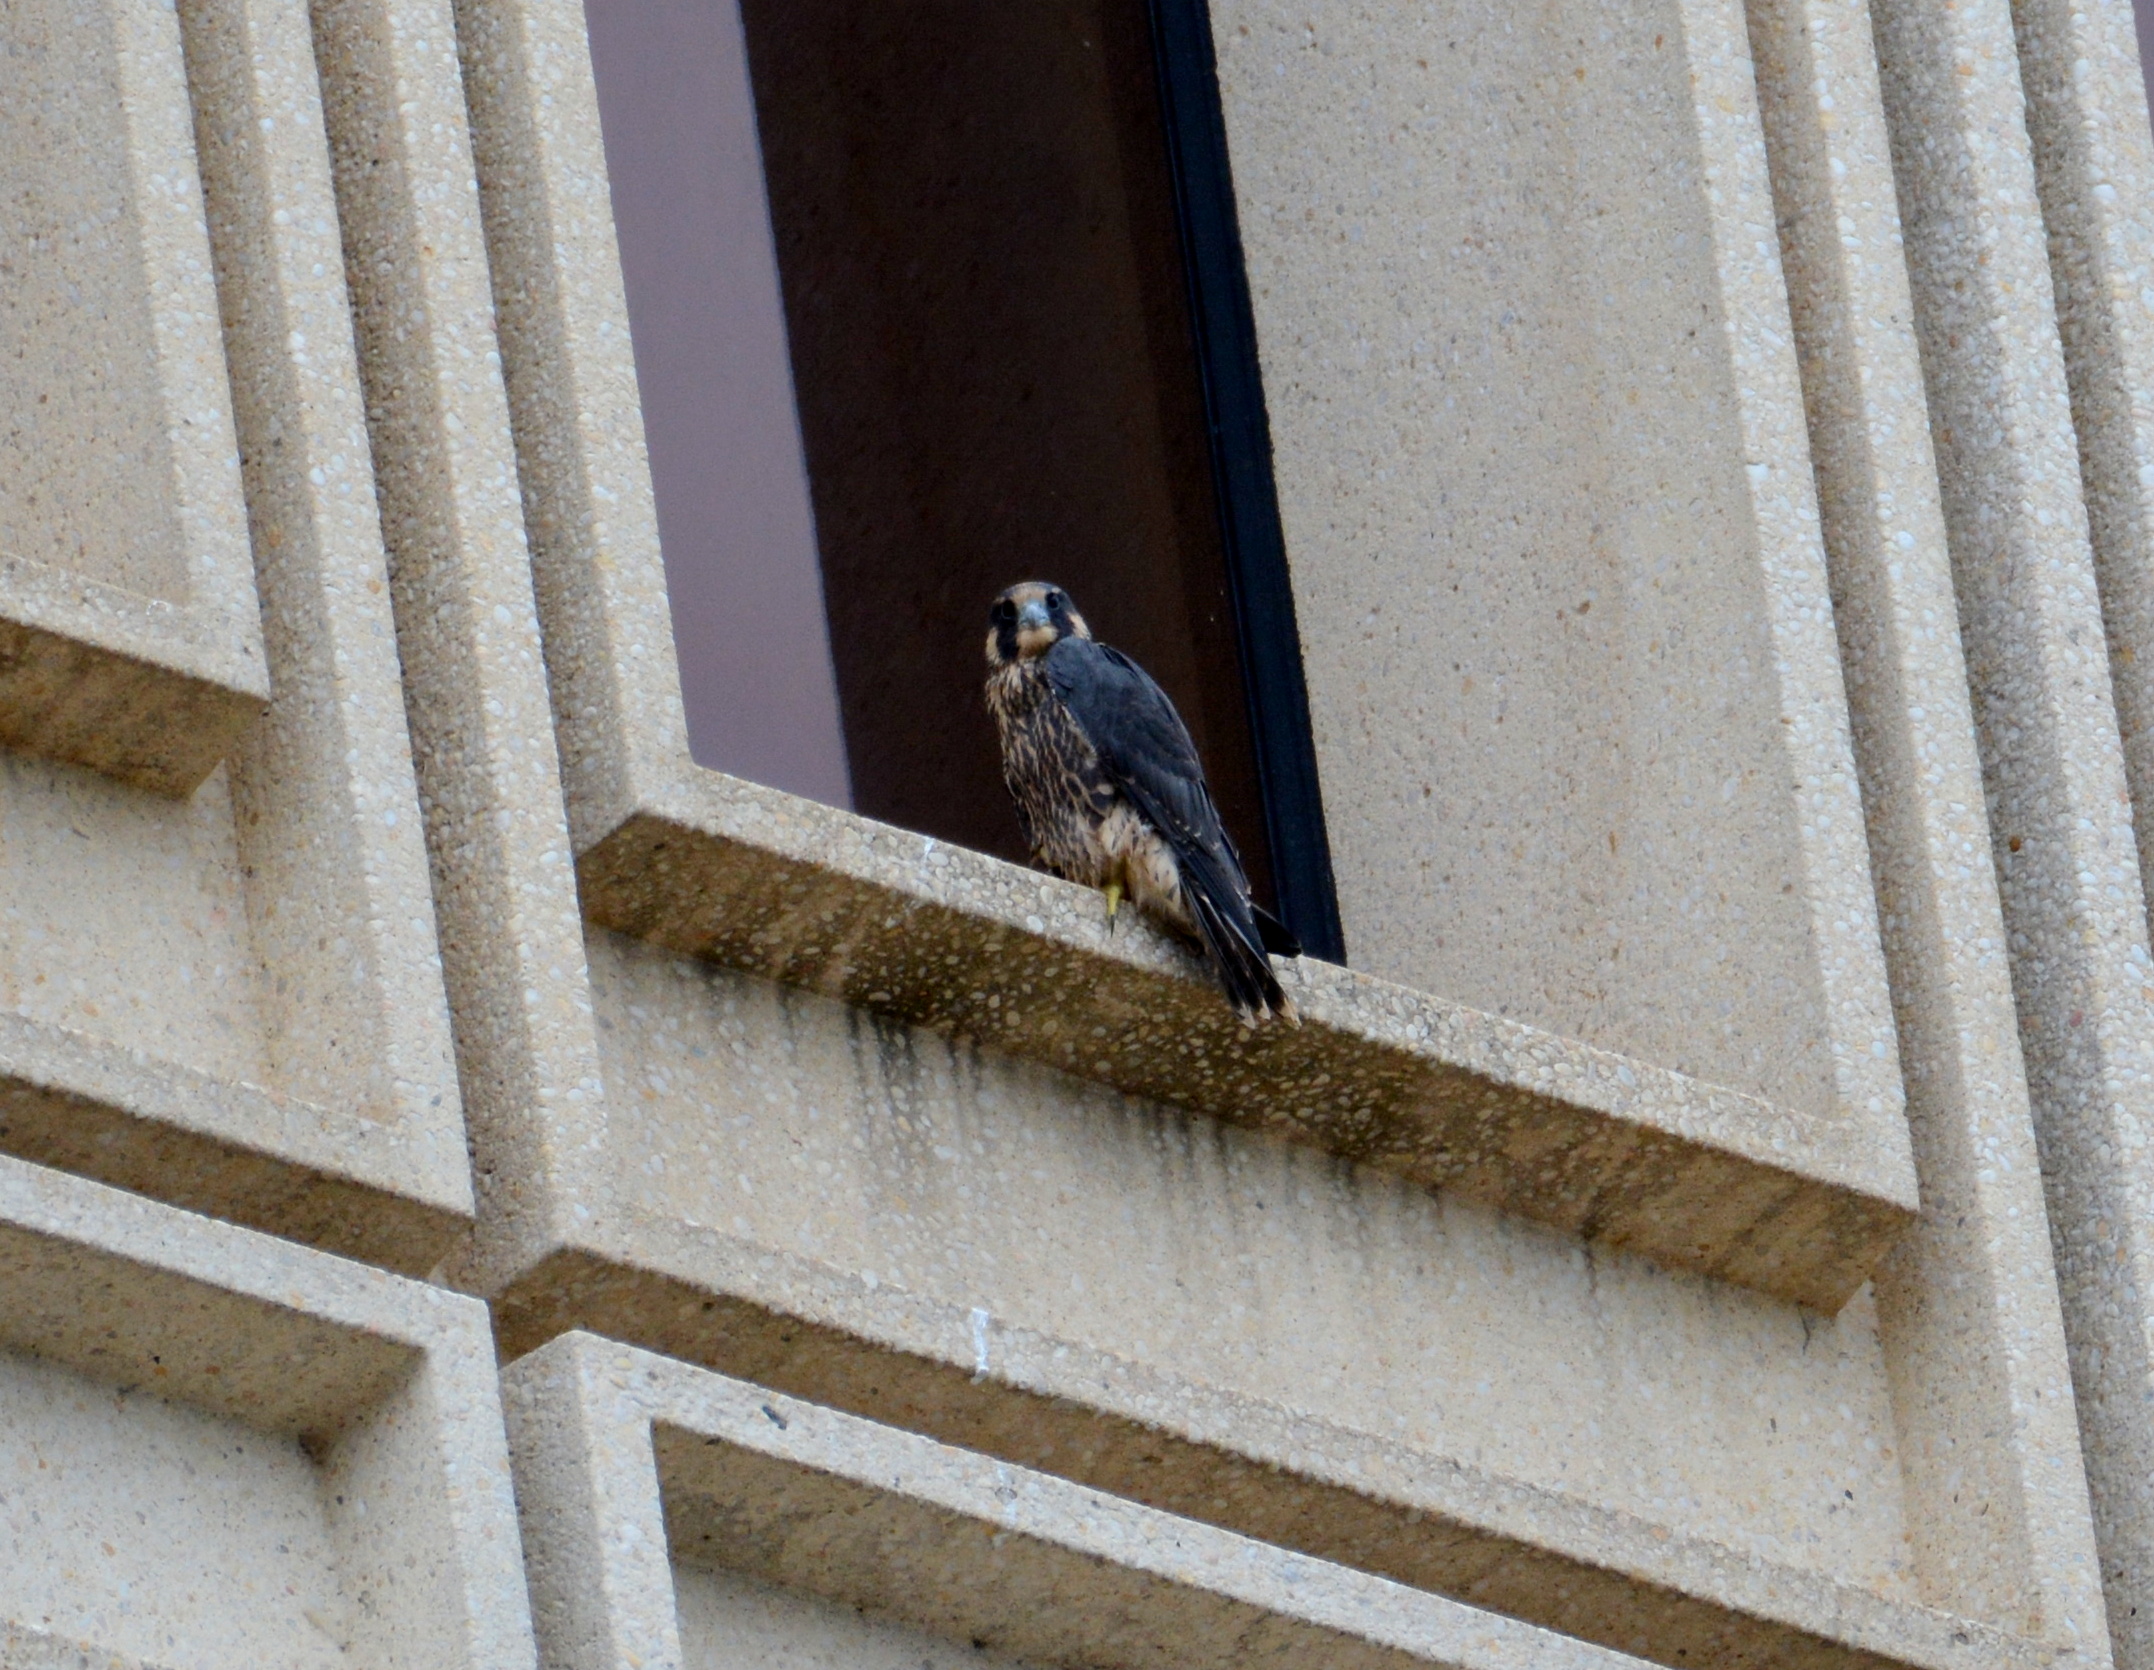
pixel 1114 902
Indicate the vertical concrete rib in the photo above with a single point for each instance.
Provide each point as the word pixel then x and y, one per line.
pixel 329 837
pixel 1997 1502
pixel 590 515
pixel 601 1582
pixel 2052 756
pixel 475 684
pixel 2094 168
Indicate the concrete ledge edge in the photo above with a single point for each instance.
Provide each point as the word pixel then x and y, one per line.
pixel 1637 1156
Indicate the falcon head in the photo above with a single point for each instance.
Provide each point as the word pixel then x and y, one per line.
pixel 1030 619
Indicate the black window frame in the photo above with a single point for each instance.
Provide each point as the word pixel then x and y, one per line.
pixel 1238 431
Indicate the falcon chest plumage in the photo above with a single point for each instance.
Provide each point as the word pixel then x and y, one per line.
pixel 1077 823
pixel 1111 794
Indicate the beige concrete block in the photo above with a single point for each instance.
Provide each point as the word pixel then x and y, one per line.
pixel 743 1622
pixel 1797 1197
pixel 232 1000
pixel 954 1238
pixel 676 1516
pixel 223 1450
pixel 1996 1499
pixel 467 627
pixel 1544 1126
pixel 1223 1326
pixel 2054 763
pixel 1547 500
pixel 2086 113
pixel 130 635
pixel 957 1239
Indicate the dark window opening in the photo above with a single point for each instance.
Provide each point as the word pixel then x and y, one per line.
pixel 951 298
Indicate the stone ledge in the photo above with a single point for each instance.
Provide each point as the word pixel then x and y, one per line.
pixel 1549 1128
pixel 624 1458
pixel 234 1151
pixel 134 687
pixel 1282 1477
pixel 148 671
pixel 398 1482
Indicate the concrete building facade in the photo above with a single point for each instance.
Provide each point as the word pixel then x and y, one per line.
pixel 479 1187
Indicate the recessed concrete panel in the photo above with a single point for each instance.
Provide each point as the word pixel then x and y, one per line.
pixel 126 1500
pixel 222 1450
pixel 1548 1127
pixel 1798 1196
pixel 1040 1337
pixel 231 998
pixel 959 1236
pixel 731 1622
pixel 677 1515
pixel 1221 1325
pixel 130 635
pixel 954 1235
pixel 1548 508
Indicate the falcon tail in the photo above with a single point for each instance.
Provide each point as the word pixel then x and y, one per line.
pixel 1234 941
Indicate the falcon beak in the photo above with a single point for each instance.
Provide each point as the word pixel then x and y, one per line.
pixel 1032 615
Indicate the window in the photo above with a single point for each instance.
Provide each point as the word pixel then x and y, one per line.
pixel 951 298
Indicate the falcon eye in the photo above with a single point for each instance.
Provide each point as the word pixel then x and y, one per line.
pixel 1003 612
pixel 1055 600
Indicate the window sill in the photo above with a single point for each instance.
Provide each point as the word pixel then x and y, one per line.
pixel 1590 1142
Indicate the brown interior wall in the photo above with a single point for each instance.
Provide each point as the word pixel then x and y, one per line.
pixel 983 289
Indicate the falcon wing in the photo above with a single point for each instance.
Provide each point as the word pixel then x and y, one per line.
pixel 1146 751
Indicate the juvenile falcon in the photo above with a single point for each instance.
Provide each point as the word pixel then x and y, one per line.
pixel 1110 792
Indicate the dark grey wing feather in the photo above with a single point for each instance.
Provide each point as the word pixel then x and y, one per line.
pixel 1145 749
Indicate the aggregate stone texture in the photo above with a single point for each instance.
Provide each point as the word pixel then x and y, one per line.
pixel 905 1131
pixel 467 626
pixel 1798 1198
pixel 1547 500
pixel 130 636
pixel 1802 1206
pixel 691 1183
pixel 635 1473
pixel 2094 170
pixel 224 1449
pixel 37 1649
pixel 232 999
pixel 1967 1302
pixel 1222 1326
pixel 2086 113
pixel 2054 764
pixel 743 1623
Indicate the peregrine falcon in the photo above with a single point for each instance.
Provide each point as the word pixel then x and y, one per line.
pixel 1110 793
